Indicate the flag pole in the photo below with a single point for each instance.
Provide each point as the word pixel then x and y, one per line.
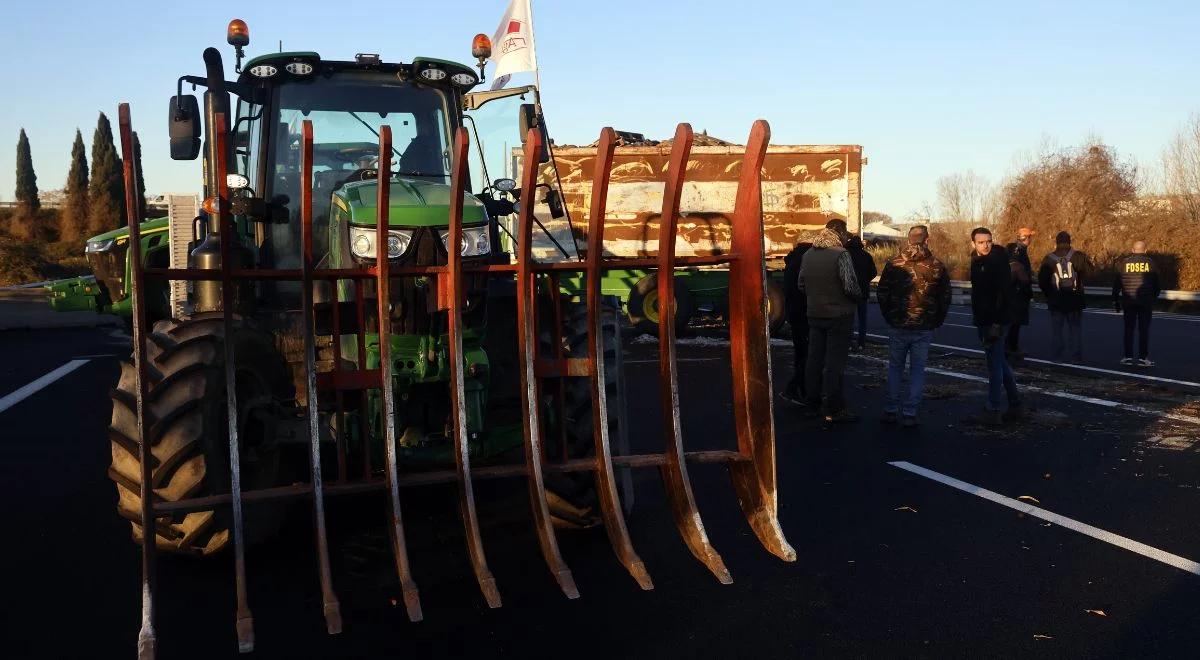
pixel 537 70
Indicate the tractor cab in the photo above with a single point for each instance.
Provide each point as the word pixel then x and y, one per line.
pixel 348 102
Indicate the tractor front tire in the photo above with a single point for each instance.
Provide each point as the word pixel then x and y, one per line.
pixel 573 499
pixel 187 428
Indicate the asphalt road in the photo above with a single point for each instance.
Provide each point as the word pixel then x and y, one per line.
pixel 890 563
pixel 1172 339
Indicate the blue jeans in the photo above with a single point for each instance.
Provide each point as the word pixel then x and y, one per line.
pixel 1000 375
pixel 912 345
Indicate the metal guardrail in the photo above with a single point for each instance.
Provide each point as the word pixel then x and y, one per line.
pixel 962 287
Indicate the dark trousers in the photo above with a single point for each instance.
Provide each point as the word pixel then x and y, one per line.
pixel 799 323
pixel 1138 315
pixel 862 324
pixel 1012 341
pixel 1066 336
pixel 828 348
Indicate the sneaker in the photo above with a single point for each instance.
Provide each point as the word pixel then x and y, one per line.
pixel 840 417
pixel 1127 361
pixel 909 421
pixel 888 417
pixel 1145 362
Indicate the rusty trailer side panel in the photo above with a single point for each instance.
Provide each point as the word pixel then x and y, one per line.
pixel 803 187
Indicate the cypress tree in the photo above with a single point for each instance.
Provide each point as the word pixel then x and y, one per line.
pixel 73 224
pixel 137 170
pixel 106 190
pixel 27 192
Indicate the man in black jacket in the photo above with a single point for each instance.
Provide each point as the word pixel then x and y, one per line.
pixel 796 305
pixel 865 271
pixel 991 309
pixel 1135 288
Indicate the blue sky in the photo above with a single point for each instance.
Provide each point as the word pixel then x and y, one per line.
pixel 928 88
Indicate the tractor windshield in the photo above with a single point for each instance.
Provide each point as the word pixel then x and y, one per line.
pixel 347 110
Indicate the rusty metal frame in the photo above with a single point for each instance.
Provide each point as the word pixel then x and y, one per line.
pixel 752 465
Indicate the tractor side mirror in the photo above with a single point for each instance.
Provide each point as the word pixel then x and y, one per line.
pixel 554 201
pixel 531 119
pixel 184 126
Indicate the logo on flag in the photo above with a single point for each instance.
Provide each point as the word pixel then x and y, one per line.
pixel 514 44
pixel 514 38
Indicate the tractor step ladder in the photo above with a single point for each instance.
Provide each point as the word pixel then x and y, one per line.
pixel 752 464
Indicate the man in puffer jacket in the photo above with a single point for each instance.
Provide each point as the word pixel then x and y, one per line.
pixel 827 277
pixel 914 297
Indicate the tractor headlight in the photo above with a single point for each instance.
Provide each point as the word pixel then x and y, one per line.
pixel 99 245
pixel 362 242
pixel 474 241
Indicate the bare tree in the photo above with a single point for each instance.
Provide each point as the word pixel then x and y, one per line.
pixel 967 197
pixel 1181 170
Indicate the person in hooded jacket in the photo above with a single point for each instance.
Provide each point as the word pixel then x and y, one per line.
pixel 832 290
pixel 1135 289
pixel 865 271
pixel 914 296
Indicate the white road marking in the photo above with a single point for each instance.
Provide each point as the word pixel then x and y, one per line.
pixel 959 325
pixel 97 356
pixel 1150 552
pixel 21 394
pixel 1066 365
pixel 1056 393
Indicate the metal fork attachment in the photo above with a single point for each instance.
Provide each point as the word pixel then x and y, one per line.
pixel 752 464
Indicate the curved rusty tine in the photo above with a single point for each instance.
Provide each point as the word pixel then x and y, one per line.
pixel 526 308
pixel 750 350
pixel 606 483
pixel 383 179
pixel 453 285
pixel 245 620
pixel 146 636
pixel 674 471
pixel 333 613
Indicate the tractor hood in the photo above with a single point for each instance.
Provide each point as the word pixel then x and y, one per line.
pixel 122 233
pixel 413 203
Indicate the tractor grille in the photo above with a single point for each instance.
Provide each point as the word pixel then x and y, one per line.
pixel 109 269
pixel 414 300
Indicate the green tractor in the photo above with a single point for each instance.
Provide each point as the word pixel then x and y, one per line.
pixel 302 350
pixel 346 103
pixel 107 289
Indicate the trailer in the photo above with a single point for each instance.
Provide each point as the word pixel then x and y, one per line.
pixel 804 186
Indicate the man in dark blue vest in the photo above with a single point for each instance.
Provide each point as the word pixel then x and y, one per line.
pixel 1135 289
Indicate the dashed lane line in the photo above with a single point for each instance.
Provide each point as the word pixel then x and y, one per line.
pixel 1188 419
pixel 26 391
pixel 1065 365
pixel 1150 552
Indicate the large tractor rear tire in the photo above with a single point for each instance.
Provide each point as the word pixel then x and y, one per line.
pixel 187 428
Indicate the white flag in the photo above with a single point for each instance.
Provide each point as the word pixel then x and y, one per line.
pixel 512 46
